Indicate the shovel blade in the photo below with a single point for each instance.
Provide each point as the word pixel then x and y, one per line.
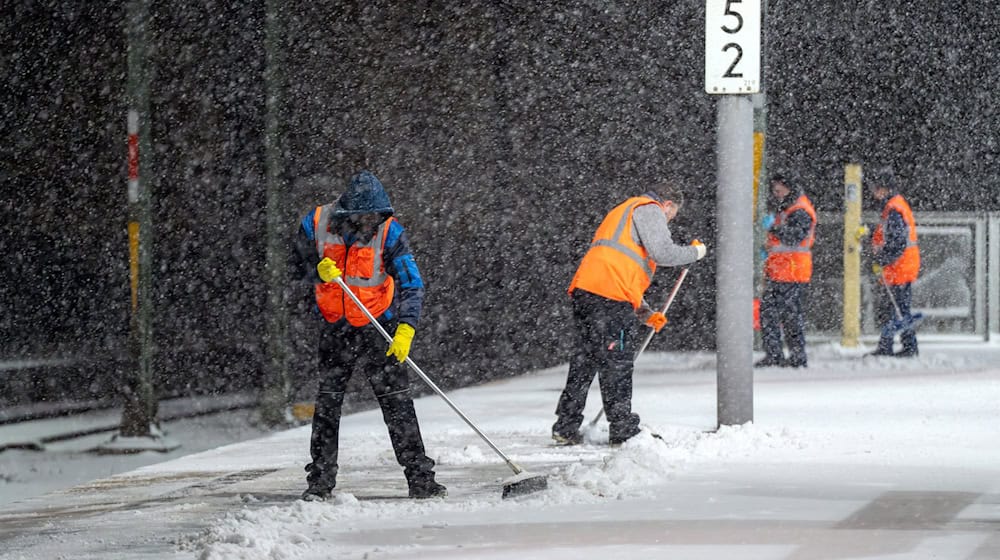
pixel 897 326
pixel 524 483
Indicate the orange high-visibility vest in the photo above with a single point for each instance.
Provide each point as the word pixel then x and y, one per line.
pixel 364 272
pixel 907 266
pixel 616 266
pixel 791 264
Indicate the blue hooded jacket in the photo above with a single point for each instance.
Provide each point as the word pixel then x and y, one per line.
pixel 896 234
pixel 366 195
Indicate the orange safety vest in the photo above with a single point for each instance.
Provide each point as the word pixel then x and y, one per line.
pixel 364 272
pixel 907 266
pixel 616 266
pixel 791 264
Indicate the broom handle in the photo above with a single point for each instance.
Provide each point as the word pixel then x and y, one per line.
pixel 371 318
pixel 892 298
pixel 666 306
pixel 652 331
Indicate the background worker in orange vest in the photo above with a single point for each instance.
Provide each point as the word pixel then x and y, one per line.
pixel 791 233
pixel 608 307
pixel 897 261
pixel 357 238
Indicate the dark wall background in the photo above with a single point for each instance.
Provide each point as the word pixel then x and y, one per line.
pixel 502 130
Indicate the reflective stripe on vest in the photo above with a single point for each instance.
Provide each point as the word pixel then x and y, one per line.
pixel 614 243
pixel 375 291
pixel 616 266
pixel 907 267
pixel 376 242
pixel 787 263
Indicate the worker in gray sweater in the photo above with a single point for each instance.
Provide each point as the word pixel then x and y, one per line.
pixel 608 302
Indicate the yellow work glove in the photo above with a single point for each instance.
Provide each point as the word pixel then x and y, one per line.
pixel 400 346
pixel 657 321
pixel 877 269
pixel 327 270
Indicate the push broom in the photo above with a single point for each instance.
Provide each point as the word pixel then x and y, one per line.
pixel 522 482
pixel 898 323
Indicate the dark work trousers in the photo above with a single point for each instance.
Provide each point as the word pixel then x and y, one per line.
pixel 604 345
pixel 886 313
pixel 782 310
pixel 342 353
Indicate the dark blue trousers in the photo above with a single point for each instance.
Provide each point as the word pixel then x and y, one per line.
pixel 342 353
pixel 782 311
pixel 885 313
pixel 606 334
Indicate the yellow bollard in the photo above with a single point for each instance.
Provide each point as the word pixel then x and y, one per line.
pixel 303 411
pixel 851 330
pixel 758 163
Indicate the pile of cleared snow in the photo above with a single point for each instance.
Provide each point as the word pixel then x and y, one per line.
pixel 645 462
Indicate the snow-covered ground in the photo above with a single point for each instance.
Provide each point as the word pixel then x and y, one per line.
pixel 851 458
pixel 25 473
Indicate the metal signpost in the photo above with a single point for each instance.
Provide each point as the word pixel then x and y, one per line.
pixel 139 430
pixel 732 70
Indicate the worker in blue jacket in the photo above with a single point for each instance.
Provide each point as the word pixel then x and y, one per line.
pixel 358 240
pixel 791 234
pixel 896 266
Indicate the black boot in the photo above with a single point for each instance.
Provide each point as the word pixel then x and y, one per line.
pixel 621 431
pixel 884 346
pixel 424 486
pixel 770 361
pixel 909 340
pixel 321 484
pixel 573 438
pixel 316 494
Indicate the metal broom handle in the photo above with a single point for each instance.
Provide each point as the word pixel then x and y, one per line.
pixel 670 300
pixel 415 368
pixel 652 331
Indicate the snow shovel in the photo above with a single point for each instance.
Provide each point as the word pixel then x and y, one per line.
pixel 652 331
pixel 899 323
pixel 522 482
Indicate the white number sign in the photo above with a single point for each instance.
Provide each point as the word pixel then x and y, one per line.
pixel 732 46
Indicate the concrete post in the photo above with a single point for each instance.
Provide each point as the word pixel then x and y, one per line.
pixel 734 260
pixel 276 385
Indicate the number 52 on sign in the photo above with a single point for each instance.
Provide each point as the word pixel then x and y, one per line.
pixel 732 46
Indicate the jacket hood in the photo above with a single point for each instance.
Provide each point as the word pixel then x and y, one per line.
pixel 364 195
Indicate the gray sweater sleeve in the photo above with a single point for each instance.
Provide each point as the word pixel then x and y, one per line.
pixel 650 229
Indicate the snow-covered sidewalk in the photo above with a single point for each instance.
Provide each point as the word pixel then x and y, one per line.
pixel 851 458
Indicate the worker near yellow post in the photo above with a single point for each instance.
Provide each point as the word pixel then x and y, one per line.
pixel 608 307
pixel 896 262
pixel 791 234
pixel 357 239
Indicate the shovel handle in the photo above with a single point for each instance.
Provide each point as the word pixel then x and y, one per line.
pixel 892 298
pixel 652 331
pixel 666 307
pixel 416 369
